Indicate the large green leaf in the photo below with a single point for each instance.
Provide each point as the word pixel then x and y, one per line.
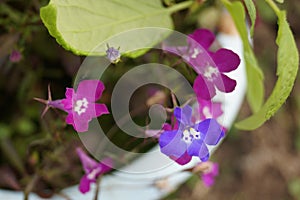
pixel 252 13
pixel 287 60
pixel 79 26
pixel 255 90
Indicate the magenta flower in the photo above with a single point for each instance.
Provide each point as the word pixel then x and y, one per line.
pixel 79 105
pixel 210 66
pixel 209 175
pixel 190 139
pixel 15 56
pixel 93 170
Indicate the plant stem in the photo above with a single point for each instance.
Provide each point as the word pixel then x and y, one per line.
pixel 180 6
pixel 12 155
pixel 97 188
pixel 30 186
pixel 273 6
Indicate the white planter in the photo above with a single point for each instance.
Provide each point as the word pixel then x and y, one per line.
pixel 128 186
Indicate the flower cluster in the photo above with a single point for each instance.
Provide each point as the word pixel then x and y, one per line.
pixel 197 132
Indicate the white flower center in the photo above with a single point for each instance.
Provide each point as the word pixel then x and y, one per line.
pixel 207 112
pixel 92 175
pixel 189 135
pixel 81 106
pixel 210 72
pixel 195 53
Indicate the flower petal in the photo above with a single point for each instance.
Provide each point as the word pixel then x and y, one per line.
pixel 100 109
pixel 181 51
pixel 106 165
pixel 209 109
pixel 211 131
pixel 171 144
pixel 90 89
pixel 198 148
pixel 84 185
pixel 80 124
pixel 87 162
pixel 203 36
pixel 184 159
pixel 67 102
pixel 183 115
pixel 204 89
pixel 226 60
pixel 225 84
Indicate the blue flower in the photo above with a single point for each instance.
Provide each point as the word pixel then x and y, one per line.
pixel 190 139
pixel 113 55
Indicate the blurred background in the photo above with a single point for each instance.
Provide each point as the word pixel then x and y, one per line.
pixel 262 164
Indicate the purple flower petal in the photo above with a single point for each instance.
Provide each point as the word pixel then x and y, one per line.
pixel 106 165
pixel 204 89
pixel 68 101
pixel 90 89
pixel 203 36
pixel 80 124
pixel 100 109
pixel 177 50
pixel 225 84
pixel 84 185
pixel 226 60
pixel 198 148
pixel 184 159
pixel 88 163
pixel 183 115
pixel 208 181
pixel 171 144
pixel 211 131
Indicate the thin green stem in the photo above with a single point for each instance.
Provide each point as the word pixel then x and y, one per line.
pixel 273 6
pixel 180 6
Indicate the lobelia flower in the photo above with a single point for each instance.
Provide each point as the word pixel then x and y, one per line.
pixel 190 139
pixel 210 66
pixel 93 170
pixel 79 105
pixel 113 55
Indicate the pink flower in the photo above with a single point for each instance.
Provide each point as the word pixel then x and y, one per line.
pixel 210 171
pixel 93 170
pixel 79 105
pixel 15 56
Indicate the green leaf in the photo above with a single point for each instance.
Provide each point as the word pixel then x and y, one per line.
pixel 280 1
pixel 80 26
pixel 287 60
pixel 252 13
pixel 255 90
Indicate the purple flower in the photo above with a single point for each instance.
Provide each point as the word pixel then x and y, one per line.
pixel 208 176
pixel 210 66
pixel 93 170
pixel 190 139
pixel 15 56
pixel 113 55
pixel 79 105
